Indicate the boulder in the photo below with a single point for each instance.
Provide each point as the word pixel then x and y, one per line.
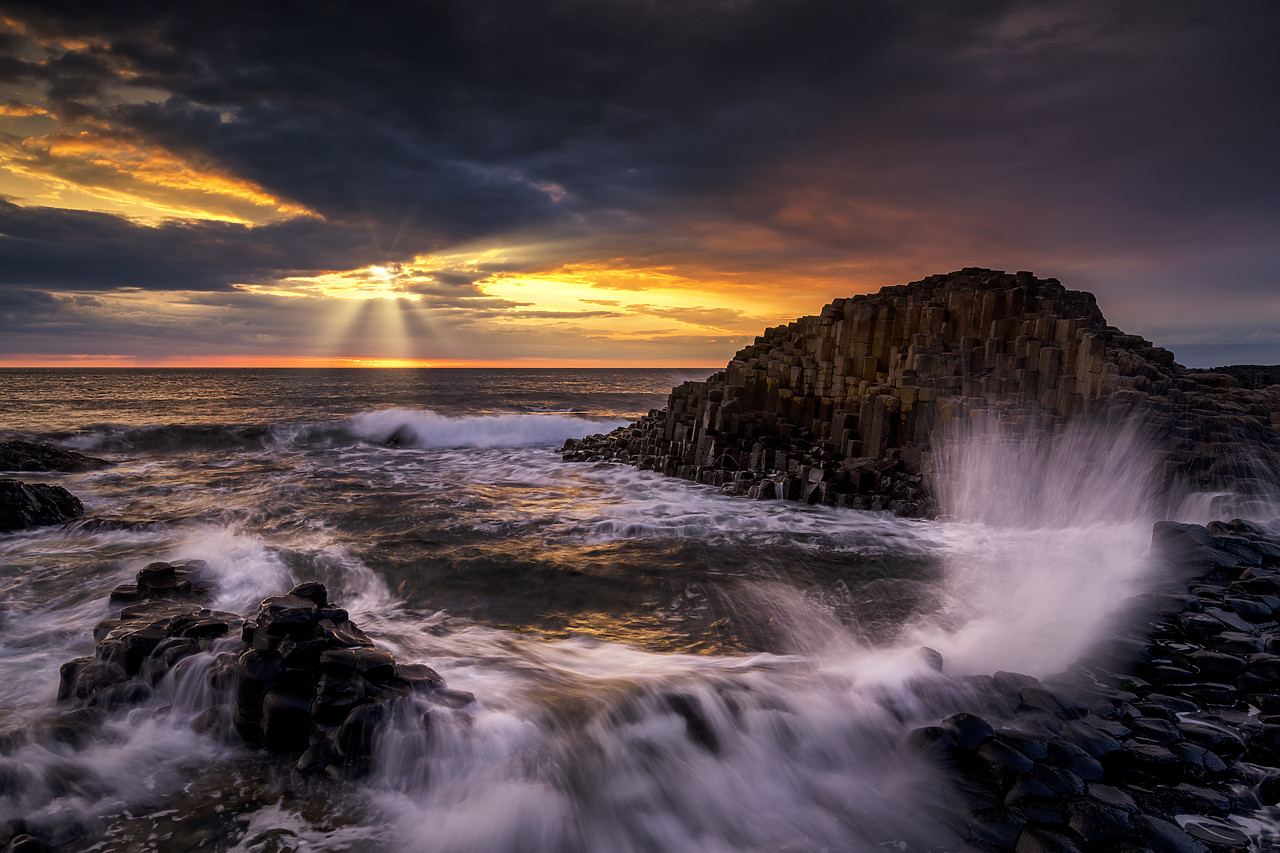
pixel 24 505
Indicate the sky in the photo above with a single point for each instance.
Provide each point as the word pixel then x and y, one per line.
pixel 618 182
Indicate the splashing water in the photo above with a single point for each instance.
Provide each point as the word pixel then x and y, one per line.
pixel 1052 532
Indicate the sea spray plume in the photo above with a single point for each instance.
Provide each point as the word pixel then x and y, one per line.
pixel 1050 534
pixel 1002 470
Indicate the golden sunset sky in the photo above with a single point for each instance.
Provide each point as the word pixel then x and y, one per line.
pixel 617 183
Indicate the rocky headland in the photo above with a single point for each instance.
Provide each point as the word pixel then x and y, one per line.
pixel 843 408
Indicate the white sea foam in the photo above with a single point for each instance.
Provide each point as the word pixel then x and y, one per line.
pixel 428 429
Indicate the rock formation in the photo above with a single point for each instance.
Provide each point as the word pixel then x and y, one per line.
pixel 25 505
pixel 298 677
pixel 841 408
pixel 30 456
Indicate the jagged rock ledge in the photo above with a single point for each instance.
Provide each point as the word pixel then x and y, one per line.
pixel 841 408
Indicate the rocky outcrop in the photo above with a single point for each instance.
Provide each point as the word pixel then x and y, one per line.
pixel 25 505
pixel 841 408
pixel 29 456
pixel 297 678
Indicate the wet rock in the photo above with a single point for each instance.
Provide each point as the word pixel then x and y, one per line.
pixel 1005 762
pixel 1165 836
pixel 969 730
pixel 1095 821
pixel 315 689
pixel 312 591
pixel 1040 699
pixel 1217 665
pixel 1155 729
pixel 1096 743
pixel 1036 840
pixel 24 505
pixel 286 716
pixel 998 826
pixel 287 616
pixel 1214 737
pixel 420 677
pixel 28 456
pixel 357 736
pixel 1217 836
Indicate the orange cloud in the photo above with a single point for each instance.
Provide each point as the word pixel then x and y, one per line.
pixel 95 168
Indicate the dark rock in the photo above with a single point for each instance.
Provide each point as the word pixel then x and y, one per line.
pixel 969 730
pixel 24 505
pixel 343 633
pixel 454 699
pixel 1062 782
pixel 1041 699
pixel 999 826
pixel 126 593
pixel 336 697
pixel 1096 743
pixel 1037 840
pixel 1215 737
pixel 1154 729
pixel 257 672
pixel 1194 799
pixel 1216 665
pixel 1165 837
pixel 1198 763
pixel 286 717
pixel 29 456
pixel 157 576
pixel 1147 759
pixel 1217 835
pixel 1096 821
pixel 287 615
pixel 420 677
pixel 1248 608
pixel 1005 762
pixel 1068 756
pixel 313 592
pixel 356 737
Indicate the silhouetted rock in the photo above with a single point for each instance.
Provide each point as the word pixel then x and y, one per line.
pixel 25 505
pixel 30 456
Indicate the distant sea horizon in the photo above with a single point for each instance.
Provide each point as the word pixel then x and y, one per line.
pixel 1192 356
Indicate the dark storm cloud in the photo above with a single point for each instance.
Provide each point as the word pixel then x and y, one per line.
pixel 903 137
pixel 76 250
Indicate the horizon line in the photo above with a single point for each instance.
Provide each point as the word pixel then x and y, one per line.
pixel 128 362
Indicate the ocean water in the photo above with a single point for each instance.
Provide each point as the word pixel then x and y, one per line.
pixel 588 607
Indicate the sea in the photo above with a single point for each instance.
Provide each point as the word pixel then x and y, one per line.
pixel 655 666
